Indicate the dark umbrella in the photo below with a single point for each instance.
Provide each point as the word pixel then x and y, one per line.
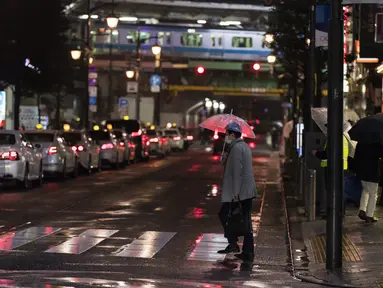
pixel 368 130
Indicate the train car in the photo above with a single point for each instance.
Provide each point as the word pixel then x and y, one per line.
pixel 184 42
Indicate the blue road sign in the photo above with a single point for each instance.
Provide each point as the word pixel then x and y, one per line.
pixel 2 97
pixel 155 80
pixel 122 102
pixel 92 100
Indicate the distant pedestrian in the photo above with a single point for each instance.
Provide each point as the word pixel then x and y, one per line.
pixel 238 185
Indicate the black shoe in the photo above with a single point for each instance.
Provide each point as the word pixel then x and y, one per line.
pixel 362 215
pixel 371 219
pixel 229 249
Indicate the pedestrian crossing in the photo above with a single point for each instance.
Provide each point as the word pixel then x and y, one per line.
pixel 147 244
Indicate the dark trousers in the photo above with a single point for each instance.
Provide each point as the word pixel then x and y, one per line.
pixel 248 239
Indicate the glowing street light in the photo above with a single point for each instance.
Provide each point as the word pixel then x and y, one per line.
pixel 222 106
pixel 112 21
pixel 156 49
pixel 76 54
pixel 208 104
pixel 269 38
pixel 215 105
pixel 271 59
pixel 129 74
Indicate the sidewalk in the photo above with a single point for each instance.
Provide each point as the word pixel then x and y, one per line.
pixel 362 246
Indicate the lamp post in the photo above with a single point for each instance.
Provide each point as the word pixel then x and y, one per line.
pixel 156 50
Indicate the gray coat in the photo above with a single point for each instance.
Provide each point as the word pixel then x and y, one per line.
pixel 238 177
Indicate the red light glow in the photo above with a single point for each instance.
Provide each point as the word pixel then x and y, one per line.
pixel 200 70
pixel 256 66
pixel 252 145
pixel 215 136
pixel 107 146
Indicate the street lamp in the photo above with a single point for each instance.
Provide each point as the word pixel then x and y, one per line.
pixel 215 105
pixel 129 74
pixel 208 104
pixel 76 54
pixel 271 59
pixel 269 38
pixel 156 49
pixel 222 106
pixel 112 21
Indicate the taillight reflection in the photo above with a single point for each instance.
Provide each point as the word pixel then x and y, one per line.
pixel 107 146
pixel 52 150
pixel 189 137
pixel 79 148
pixel 11 155
pixel 252 145
pixel 176 138
pixel 154 140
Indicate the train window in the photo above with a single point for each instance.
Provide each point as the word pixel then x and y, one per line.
pixel 164 38
pixel 216 40
pixel 191 39
pixel 103 35
pixel 242 42
pixel 133 36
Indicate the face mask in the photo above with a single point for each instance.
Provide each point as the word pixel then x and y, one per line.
pixel 228 139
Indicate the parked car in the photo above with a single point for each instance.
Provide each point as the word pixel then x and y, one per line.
pixel 136 131
pixel 111 153
pixel 20 162
pixel 159 143
pixel 175 138
pixel 58 157
pixel 126 144
pixel 87 150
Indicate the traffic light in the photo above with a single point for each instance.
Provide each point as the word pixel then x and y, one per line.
pixel 200 70
pixel 256 66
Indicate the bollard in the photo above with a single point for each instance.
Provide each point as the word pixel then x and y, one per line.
pixel 311 191
pixel 301 179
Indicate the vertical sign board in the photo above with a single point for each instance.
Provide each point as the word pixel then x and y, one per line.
pixel 123 103
pixel 322 24
pixel 92 88
pixel 155 84
pixel 3 101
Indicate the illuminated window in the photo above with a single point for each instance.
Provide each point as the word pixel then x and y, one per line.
pixel 242 42
pixel 216 40
pixel 379 27
pixel 164 38
pixel 191 39
pixel 103 35
pixel 133 36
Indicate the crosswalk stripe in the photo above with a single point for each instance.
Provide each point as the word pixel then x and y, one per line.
pixel 83 242
pixel 207 246
pixel 146 246
pixel 17 239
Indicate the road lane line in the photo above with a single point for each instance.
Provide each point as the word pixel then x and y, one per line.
pixel 83 242
pixel 207 246
pixel 16 239
pixel 146 246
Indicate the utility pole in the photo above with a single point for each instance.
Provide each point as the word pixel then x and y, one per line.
pixel 310 91
pixel 88 43
pixel 335 140
pixel 138 60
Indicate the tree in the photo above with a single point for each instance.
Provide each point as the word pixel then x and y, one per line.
pixel 34 30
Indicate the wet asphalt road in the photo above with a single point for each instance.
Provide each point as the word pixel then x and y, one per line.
pixel 150 225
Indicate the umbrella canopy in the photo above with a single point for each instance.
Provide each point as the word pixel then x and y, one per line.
pixel 319 116
pixel 368 130
pixel 220 121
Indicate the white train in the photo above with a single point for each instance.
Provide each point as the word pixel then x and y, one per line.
pixel 184 42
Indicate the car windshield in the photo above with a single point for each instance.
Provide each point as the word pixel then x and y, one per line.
pixel 151 133
pixel 40 137
pixel 118 134
pixel 100 135
pixel 7 139
pixel 72 138
pixel 171 132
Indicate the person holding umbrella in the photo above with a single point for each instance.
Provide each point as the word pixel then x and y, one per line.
pixel 368 132
pixel 238 185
